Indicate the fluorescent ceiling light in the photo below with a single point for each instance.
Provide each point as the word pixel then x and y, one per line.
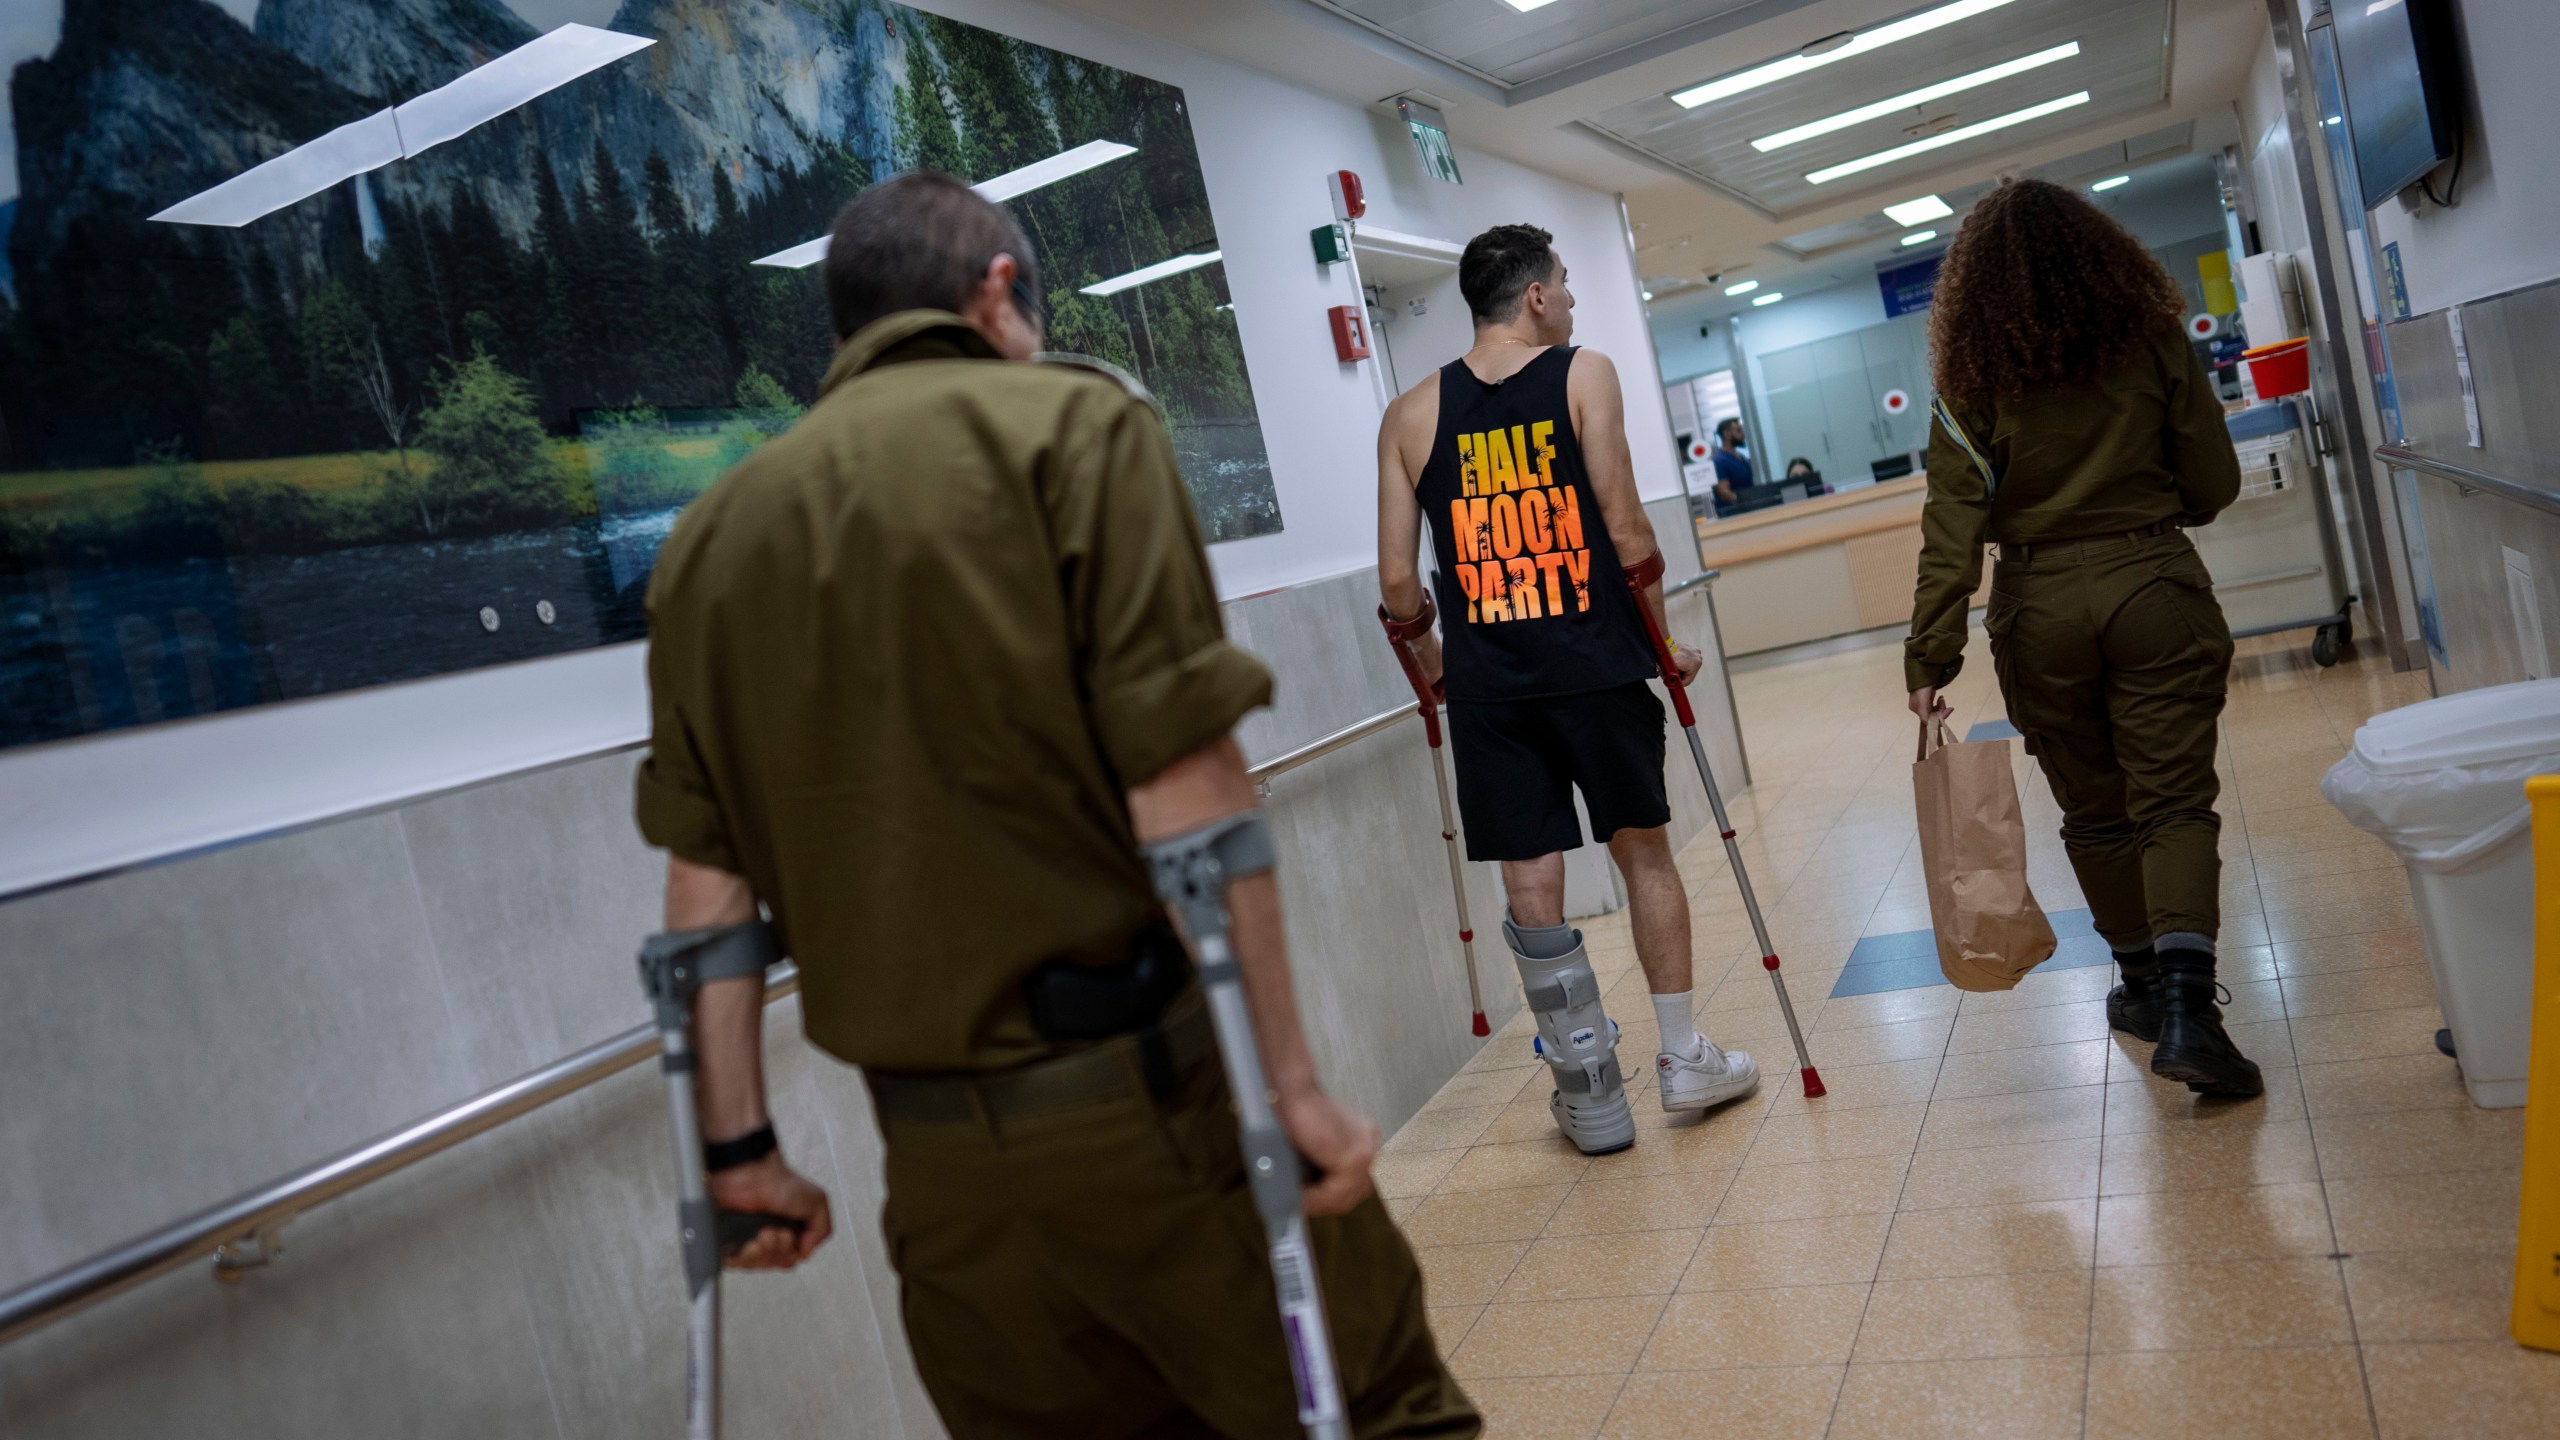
pixel 1000 189
pixel 1525 6
pixel 411 128
pixel 1919 237
pixel 1744 288
pixel 2112 182
pixel 1953 137
pixel 1910 98
pixel 1052 170
pixel 1772 298
pixel 1647 294
pixel 1914 212
pixel 1146 274
pixel 1799 63
pixel 798 257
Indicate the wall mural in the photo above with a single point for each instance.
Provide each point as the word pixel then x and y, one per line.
pixel 427 394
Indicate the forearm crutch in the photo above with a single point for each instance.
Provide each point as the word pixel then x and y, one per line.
pixel 673 969
pixel 1401 634
pixel 1639 575
pixel 1192 872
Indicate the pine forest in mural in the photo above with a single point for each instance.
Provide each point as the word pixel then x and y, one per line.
pixel 440 415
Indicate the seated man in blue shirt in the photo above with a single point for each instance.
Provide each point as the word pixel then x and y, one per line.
pixel 1733 469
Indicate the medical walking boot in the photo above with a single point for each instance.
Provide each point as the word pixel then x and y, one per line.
pixel 2194 1048
pixel 1714 1077
pixel 1575 1037
pixel 2134 1006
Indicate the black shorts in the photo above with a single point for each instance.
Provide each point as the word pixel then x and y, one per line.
pixel 1519 762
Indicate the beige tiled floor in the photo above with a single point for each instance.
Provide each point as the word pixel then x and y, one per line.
pixel 1997 1222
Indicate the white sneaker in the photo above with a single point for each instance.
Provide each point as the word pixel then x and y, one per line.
pixel 1712 1079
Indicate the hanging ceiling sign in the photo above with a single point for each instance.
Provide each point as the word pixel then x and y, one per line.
pixel 1908 289
pixel 1430 132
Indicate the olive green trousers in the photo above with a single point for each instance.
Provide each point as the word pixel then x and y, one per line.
pixel 2114 661
pixel 1100 1271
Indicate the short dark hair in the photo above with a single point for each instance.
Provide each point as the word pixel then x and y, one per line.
pixel 1728 420
pixel 917 241
pixel 1500 265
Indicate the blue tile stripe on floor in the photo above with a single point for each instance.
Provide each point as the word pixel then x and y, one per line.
pixel 1909 960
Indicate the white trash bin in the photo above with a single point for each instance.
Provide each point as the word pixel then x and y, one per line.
pixel 2442 783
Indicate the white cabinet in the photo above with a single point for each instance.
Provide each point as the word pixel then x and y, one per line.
pixel 1826 400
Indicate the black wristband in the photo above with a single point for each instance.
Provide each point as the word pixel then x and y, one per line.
pixel 719 1155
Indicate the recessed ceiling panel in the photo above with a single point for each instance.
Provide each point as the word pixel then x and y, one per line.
pixel 1517 47
pixel 2122 64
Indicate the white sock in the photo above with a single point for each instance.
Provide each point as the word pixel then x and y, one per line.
pixel 1679 1031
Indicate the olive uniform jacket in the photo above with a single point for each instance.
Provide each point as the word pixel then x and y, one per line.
pixel 905 662
pixel 2141 444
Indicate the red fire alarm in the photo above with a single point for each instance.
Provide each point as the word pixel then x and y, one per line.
pixel 1348 203
pixel 1350 331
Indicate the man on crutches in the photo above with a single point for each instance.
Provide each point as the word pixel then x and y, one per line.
pixel 942 706
pixel 1516 455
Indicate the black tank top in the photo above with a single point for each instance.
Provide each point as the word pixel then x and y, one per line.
pixel 1532 601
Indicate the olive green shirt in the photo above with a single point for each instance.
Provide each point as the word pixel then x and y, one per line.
pixel 2140 444
pixel 906 659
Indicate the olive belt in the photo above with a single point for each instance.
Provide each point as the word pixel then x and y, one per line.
pixel 1144 1063
pixel 2024 554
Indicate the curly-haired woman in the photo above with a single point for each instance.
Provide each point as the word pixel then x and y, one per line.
pixel 2077 431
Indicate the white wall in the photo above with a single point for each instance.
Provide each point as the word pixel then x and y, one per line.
pixel 2505 232
pixel 2267 145
pixel 1266 147
pixel 1685 352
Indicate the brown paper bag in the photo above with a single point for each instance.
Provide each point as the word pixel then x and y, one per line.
pixel 1973 846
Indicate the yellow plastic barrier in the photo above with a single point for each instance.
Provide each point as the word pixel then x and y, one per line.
pixel 2536 1320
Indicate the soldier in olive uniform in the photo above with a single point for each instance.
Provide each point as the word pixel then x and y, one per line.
pixel 2077 430
pixel 925 673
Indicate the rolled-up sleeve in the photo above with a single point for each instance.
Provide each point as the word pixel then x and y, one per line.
pixel 1159 675
pixel 678 809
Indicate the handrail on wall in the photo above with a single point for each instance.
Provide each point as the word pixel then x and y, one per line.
pixel 2531 496
pixel 244 1231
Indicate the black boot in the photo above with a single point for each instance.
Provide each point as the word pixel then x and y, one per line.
pixel 2194 1048
pixel 2134 1006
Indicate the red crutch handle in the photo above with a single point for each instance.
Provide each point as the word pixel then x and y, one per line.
pixel 1400 636
pixel 1642 573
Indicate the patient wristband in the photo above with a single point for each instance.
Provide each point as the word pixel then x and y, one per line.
pixel 719 1155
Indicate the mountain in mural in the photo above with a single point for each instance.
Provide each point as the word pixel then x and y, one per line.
pixel 240 464
pixel 148 101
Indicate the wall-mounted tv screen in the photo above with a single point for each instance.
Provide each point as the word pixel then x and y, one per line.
pixel 2396 63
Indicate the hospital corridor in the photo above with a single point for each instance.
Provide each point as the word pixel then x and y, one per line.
pixel 1998 1222
pixel 1279 720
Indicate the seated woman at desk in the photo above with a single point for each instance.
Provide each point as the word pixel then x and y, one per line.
pixel 1800 471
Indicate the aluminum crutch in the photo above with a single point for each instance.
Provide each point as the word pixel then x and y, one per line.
pixel 1401 634
pixel 1639 575
pixel 673 969
pixel 1192 873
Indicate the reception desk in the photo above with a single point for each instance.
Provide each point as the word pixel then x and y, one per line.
pixel 1832 565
